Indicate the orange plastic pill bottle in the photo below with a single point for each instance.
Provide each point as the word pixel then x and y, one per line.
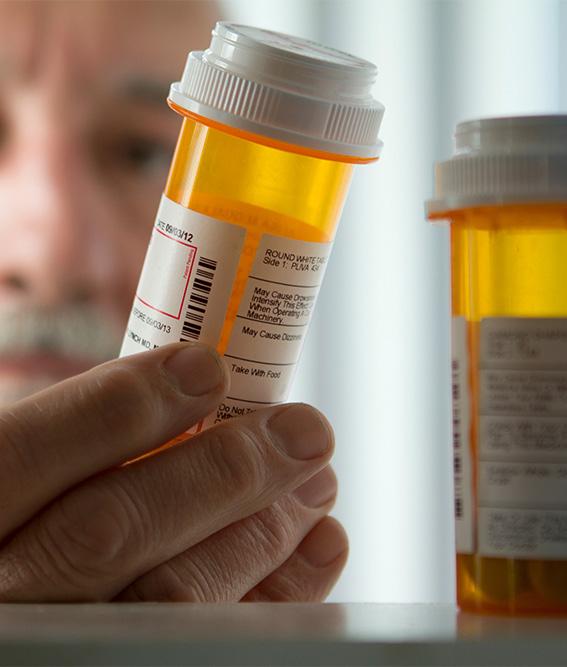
pixel 505 195
pixel 272 128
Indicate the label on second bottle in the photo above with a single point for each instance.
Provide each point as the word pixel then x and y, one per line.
pixel 462 472
pixel 522 457
pixel 184 291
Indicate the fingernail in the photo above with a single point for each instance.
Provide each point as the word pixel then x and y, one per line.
pixel 301 432
pixel 318 490
pixel 324 544
pixel 195 369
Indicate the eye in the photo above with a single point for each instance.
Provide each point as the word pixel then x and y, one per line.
pixel 137 154
pixel 3 130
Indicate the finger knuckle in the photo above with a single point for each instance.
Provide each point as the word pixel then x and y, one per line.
pixel 281 588
pixel 17 573
pixel 90 539
pixel 122 396
pixel 195 581
pixel 240 462
pixel 20 463
pixel 273 531
pixel 165 584
pixel 190 577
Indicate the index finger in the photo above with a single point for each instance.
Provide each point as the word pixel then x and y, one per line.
pixel 55 439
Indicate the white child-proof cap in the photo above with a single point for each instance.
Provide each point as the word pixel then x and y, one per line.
pixel 283 87
pixel 503 161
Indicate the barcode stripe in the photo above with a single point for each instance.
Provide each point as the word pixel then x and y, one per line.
pixel 457 442
pixel 198 299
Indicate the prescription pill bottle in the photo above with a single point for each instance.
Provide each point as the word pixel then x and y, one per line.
pixel 272 128
pixel 505 195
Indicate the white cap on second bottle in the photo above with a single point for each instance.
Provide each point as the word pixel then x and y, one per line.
pixel 507 160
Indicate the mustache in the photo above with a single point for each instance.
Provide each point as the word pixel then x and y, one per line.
pixel 72 331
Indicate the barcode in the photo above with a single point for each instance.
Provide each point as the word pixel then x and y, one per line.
pixel 459 512
pixel 457 441
pixel 456 388
pixel 458 476
pixel 199 299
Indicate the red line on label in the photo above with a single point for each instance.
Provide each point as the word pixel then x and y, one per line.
pixel 188 278
pixel 194 254
pixel 174 239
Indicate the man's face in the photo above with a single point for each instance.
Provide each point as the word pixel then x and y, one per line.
pixel 85 141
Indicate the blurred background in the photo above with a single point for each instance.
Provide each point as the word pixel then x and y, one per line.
pixel 377 358
pixel 86 139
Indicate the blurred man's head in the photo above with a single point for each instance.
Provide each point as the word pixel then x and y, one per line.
pixel 85 142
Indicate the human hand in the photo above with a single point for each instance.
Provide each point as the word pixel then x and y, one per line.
pixel 239 512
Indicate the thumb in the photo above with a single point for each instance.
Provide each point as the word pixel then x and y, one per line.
pixel 102 418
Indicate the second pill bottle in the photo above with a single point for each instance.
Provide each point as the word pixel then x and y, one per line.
pixel 505 195
pixel 272 128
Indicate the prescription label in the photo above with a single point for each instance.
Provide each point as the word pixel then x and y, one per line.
pixel 272 322
pixel 522 453
pixel 462 469
pixel 186 280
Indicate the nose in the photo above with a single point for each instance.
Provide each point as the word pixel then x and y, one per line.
pixel 56 245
